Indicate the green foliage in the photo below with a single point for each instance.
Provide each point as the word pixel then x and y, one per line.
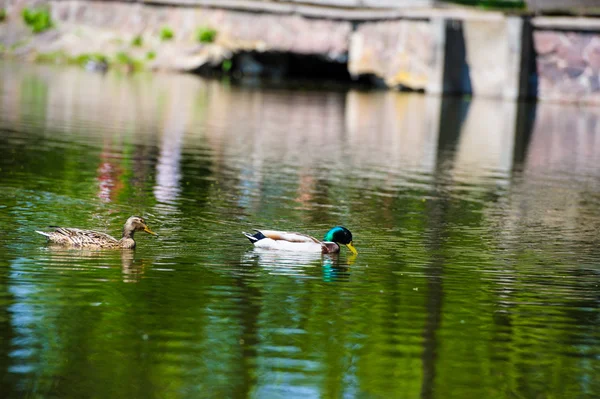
pixel 38 19
pixel 137 41
pixel 166 33
pixel 206 35
pixel 122 58
pixel 226 66
pixel 2 14
pixel 150 55
pixel 93 57
pixel 53 57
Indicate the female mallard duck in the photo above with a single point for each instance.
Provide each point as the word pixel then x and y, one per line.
pixel 282 240
pixel 77 238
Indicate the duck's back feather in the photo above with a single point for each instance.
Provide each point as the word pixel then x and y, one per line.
pixel 80 238
pixel 288 236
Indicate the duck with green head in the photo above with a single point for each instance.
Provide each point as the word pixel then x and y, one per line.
pixel 289 241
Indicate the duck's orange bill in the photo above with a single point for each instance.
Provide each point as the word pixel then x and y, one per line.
pixel 147 230
pixel 351 248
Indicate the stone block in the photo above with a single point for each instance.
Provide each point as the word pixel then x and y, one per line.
pixel 487 56
pixel 568 66
pixel 399 52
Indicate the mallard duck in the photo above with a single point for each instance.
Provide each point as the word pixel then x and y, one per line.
pixel 77 238
pixel 287 241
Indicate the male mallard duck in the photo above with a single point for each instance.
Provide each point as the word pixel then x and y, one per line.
pixel 286 241
pixel 77 238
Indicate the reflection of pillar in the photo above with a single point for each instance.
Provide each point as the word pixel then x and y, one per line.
pixel 526 114
pixel 11 105
pixel 248 320
pixel 486 144
pixel 403 128
pixel 109 174
pixel 8 361
pixel 168 168
pixel 436 212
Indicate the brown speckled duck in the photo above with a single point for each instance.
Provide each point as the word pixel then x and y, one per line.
pixel 77 238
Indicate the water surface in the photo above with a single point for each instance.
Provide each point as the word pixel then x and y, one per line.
pixel 476 224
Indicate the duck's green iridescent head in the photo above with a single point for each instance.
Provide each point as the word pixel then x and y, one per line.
pixel 341 235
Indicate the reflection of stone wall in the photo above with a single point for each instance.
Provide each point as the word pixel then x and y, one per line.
pixel 557 188
pixel 565 141
pixel 568 65
pixel 484 152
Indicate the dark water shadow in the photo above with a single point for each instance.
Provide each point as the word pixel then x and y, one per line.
pixel 526 114
pixel 453 114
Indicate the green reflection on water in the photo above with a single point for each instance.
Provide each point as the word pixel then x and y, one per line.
pixel 477 274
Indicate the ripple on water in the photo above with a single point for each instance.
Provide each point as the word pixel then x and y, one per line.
pixel 477 261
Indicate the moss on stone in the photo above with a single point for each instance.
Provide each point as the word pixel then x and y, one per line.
pixel 38 19
pixel 137 41
pixel 92 60
pixel 166 33
pixel 206 35
pixel 124 59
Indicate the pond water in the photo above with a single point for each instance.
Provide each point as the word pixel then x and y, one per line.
pixel 476 224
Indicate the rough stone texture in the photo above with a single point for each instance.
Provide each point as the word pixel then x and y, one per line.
pixel 84 27
pixel 568 66
pixel 400 52
pixel 418 54
pixel 487 56
pixel 498 50
pixel 580 6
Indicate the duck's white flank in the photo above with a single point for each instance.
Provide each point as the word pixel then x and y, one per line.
pixel 282 245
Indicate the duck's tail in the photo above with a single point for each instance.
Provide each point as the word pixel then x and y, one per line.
pixel 254 237
pixel 42 233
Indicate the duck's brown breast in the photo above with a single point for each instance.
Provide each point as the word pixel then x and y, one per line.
pixel 127 243
pixel 330 247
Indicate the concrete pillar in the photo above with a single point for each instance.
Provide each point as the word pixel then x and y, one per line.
pixel 438 36
pixel 520 65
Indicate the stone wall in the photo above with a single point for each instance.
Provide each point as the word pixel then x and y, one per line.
pixel 568 59
pixel 573 6
pixel 402 53
pixel 436 50
pixel 568 66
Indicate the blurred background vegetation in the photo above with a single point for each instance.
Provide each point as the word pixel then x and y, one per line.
pixel 500 4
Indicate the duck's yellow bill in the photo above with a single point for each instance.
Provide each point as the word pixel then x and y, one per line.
pixel 351 248
pixel 147 230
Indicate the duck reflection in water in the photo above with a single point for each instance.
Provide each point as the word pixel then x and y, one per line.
pixel 132 270
pixel 329 267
